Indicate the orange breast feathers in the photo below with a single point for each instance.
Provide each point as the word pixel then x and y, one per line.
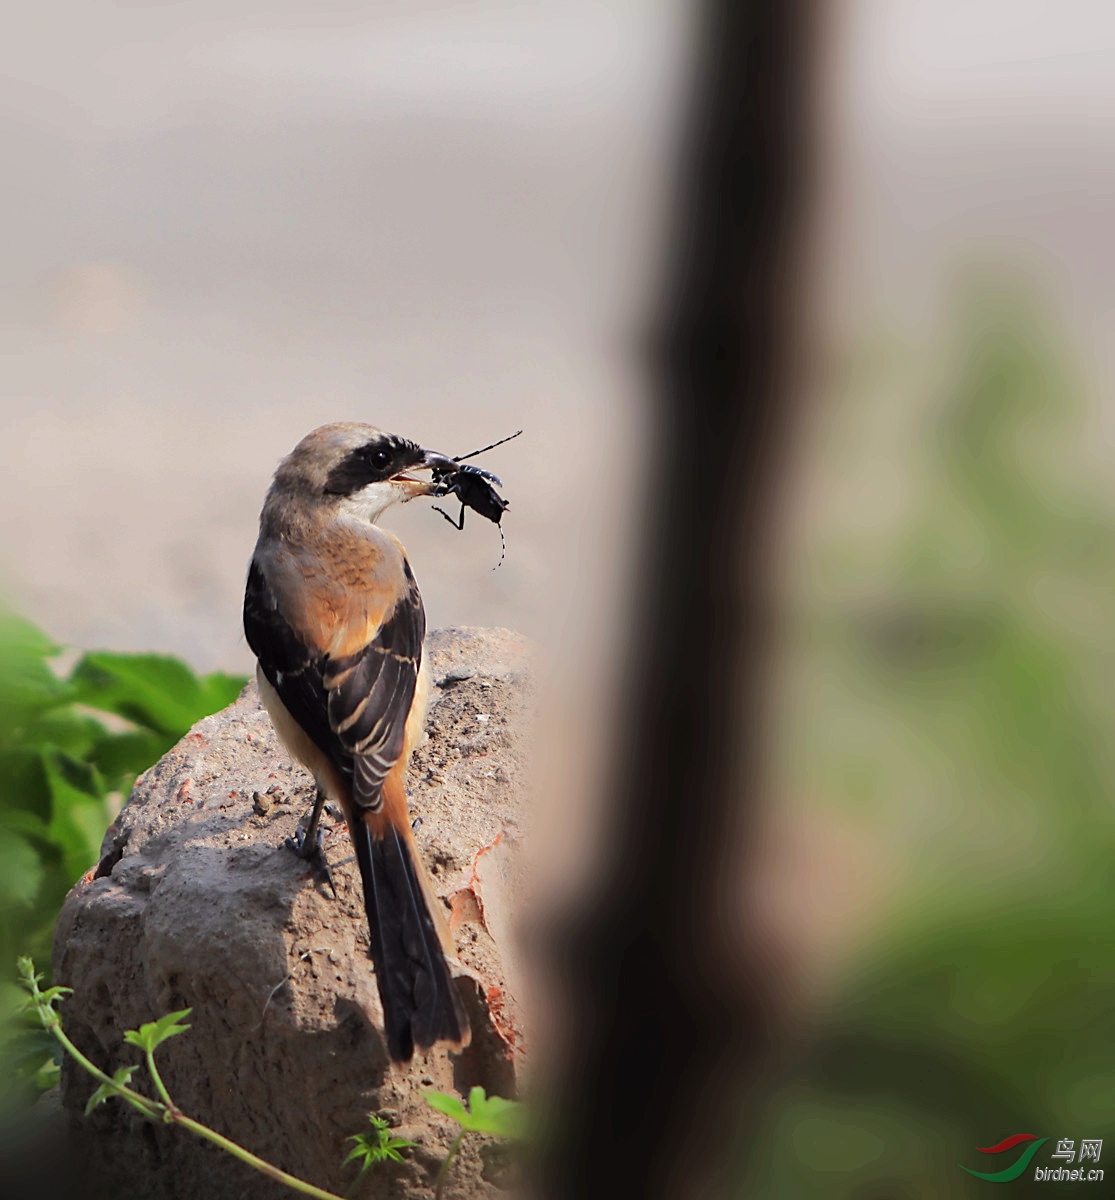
pixel 337 590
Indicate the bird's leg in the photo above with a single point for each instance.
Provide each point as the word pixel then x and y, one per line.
pixel 307 843
pixel 310 844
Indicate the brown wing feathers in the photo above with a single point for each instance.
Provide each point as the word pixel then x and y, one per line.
pixel 291 667
pixel 354 707
pixel 370 694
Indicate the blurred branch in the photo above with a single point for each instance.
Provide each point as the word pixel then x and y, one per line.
pixel 669 1020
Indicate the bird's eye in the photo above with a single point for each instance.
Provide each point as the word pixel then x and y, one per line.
pixel 381 458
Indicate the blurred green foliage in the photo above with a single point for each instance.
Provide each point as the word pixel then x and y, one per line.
pixel 71 745
pixel 951 715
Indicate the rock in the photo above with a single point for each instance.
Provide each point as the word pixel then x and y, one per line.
pixel 197 904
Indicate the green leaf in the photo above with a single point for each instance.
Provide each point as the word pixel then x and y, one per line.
pixel 27 1049
pixel 120 757
pixel 148 1036
pixel 21 872
pixel 493 1114
pixel 32 827
pixel 47 1076
pixel 63 727
pixel 13 1001
pixel 450 1105
pixel 23 782
pixel 485 1114
pixel 54 993
pixel 27 684
pixel 372 1151
pixel 79 817
pixel 20 641
pixel 121 1076
pixel 377 1146
pixel 30 979
pixel 63 751
pixel 153 690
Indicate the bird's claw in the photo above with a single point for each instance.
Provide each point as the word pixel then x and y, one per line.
pixel 312 851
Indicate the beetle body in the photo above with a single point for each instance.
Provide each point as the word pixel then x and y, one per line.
pixel 473 487
pixel 476 489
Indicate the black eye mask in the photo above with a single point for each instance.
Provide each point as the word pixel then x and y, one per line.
pixel 372 463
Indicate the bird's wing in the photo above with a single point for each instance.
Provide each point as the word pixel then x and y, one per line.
pixel 353 707
pixel 371 691
pixel 292 667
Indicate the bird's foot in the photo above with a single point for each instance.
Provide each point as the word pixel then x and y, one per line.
pixel 312 851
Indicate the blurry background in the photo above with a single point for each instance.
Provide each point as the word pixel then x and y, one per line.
pixel 937 868
pixel 229 223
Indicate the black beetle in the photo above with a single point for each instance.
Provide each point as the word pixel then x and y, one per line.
pixel 473 487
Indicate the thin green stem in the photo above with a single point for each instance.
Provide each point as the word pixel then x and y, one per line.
pixel 350 1191
pixel 149 1108
pixel 253 1160
pixel 445 1165
pixel 153 1071
pixel 167 1110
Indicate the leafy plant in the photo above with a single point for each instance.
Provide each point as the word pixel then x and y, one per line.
pixel 153 1034
pixel 485 1114
pixel 147 1038
pixel 373 1148
pixel 71 746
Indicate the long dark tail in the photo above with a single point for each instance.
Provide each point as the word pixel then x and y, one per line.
pixel 420 1004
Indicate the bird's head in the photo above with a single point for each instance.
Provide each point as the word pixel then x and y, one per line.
pixel 359 466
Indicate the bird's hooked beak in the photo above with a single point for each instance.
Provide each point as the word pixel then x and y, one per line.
pixel 438 461
pixel 412 487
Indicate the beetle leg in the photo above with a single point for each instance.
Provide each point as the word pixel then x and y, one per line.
pixel 458 525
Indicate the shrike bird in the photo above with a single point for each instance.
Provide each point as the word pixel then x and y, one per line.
pixel 334 617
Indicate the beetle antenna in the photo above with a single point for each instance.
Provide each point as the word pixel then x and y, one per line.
pixel 502 539
pixel 485 449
